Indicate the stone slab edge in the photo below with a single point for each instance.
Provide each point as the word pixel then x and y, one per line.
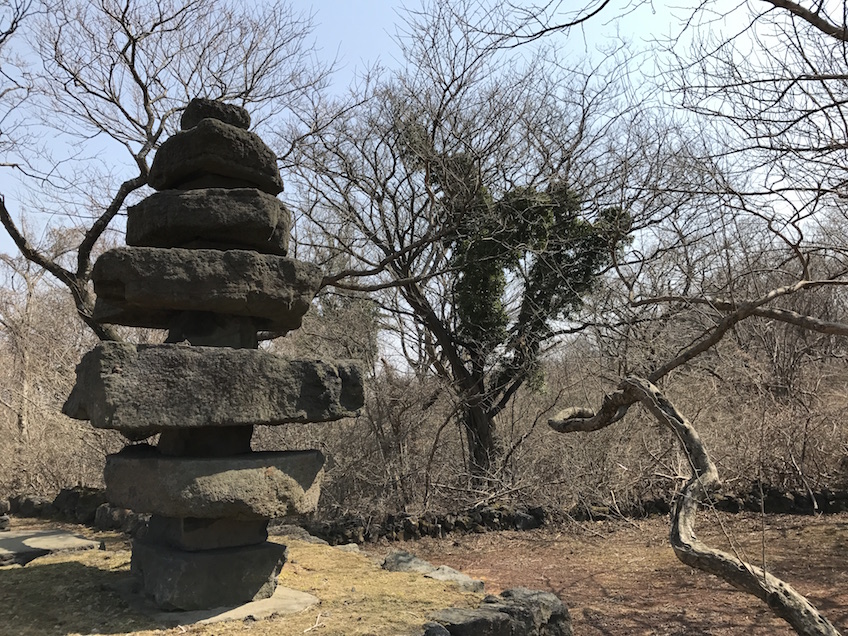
pixel 22 546
pixel 147 286
pixel 284 601
pixel 241 218
pixel 144 389
pixel 214 147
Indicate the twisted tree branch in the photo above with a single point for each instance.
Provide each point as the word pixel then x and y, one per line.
pixel 781 598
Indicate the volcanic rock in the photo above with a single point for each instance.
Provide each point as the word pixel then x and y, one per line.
pixel 243 218
pixel 144 389
pixel 215 148
pixel 201 108
pixel 241 487
pixel 147 286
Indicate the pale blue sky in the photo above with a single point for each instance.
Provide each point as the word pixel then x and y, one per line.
pixel 360 33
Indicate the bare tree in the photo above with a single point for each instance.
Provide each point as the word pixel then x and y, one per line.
pixel 458 190
pixel 755 244
pixel 40 344
pixel 110 78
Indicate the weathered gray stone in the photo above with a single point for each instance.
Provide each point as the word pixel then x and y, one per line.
pixel 448 574
pixel 22 546
pixel 178 580
pixel 241 487
pixel 79 503
pixel 201 108
pixel 476 622
pixel 532 611
pixel 516 612
pixel 146 286
pixel 243 218
pixel 192 534
pixel 402 561
pixel 284 601
pixel 213 147
pixel 109 517
pixel 435 629
pixel 278 527
pixel 144 389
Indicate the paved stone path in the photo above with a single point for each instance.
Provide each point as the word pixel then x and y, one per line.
pixel 22 546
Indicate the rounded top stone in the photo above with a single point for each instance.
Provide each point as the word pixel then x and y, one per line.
pixel 201 108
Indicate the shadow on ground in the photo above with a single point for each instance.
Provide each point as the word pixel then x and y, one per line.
pixel 65 597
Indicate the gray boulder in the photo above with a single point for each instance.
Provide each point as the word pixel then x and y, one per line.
pixel 278 527
pixel 516 612
pixel 145 389
pixel 241 487
pixel 465 582
pixel 402 561
pixel 217 149
pixel 243 218
pixel 148 286
pixel 201 108
pixel 477 622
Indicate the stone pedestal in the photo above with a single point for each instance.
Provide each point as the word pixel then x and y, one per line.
pixel 207 260
pixel 203 579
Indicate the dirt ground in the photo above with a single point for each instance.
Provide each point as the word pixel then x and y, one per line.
pixel 622 578
pixel 617 577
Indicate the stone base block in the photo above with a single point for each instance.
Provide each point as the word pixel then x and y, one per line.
pixel 179 580
pixel 192 534
pixel 242 487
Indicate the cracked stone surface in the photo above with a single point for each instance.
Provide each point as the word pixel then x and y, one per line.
pixel 241 487
pixel 241 218
pixel 144 389
pixel 214 147
pixel 147 286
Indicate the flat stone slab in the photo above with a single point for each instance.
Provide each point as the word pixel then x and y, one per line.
pixel 141 390
pixel 22 546
pixel 241 218
pixel 213 147
pixel 177 580
pixel 284 601
pixel 402 561
pixel 148 286
pixel 242 487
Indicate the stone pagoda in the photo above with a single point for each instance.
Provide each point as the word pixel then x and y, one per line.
pixel 206 260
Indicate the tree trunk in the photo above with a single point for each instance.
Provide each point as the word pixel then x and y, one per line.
pixel 483 446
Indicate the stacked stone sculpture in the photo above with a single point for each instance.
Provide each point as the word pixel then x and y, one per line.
pixel 206 260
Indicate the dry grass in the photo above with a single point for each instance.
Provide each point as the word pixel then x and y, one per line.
pixel 74 593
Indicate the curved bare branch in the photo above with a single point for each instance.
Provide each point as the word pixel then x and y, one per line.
pixel 784 600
